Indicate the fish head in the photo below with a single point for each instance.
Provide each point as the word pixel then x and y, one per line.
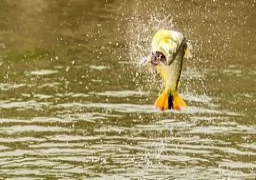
pixel 168 43
pixel 168 50
pixel 165 45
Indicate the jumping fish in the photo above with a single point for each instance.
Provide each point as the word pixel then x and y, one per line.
pixel 168 50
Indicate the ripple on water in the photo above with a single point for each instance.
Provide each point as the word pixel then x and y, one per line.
pixel 23 105
pixel 143 108
pixel 169 146
pixel 99 67
pixel 239 129
pixel 20 139
pixel 89 117
pixel 125 93
pixel 43 72
pixel 30 128
pixel 197 98
pixel 6 86
pixel 124 108
pixel 139 151
pixel 238 165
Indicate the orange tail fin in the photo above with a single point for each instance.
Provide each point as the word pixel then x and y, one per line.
pixel 162 101
pixel 178 102
pixel 167 101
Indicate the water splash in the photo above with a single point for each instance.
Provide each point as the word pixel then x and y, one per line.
pixel 140 30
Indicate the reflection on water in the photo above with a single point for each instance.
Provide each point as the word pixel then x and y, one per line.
pixel 75 104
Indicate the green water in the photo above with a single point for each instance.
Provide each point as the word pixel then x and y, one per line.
pixel 76 104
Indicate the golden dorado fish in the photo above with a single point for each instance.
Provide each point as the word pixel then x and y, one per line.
pixel 168 50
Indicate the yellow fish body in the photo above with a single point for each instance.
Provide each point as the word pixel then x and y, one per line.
pixel 168 50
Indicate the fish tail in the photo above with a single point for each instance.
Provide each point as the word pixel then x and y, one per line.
pixel 178 102
pixel 168 101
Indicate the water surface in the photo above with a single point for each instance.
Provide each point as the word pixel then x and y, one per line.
pixel 76 104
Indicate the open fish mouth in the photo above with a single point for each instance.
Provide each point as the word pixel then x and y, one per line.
pixel 154 59
pixel 158 58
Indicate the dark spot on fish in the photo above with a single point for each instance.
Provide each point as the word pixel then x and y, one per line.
pixel 170 102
